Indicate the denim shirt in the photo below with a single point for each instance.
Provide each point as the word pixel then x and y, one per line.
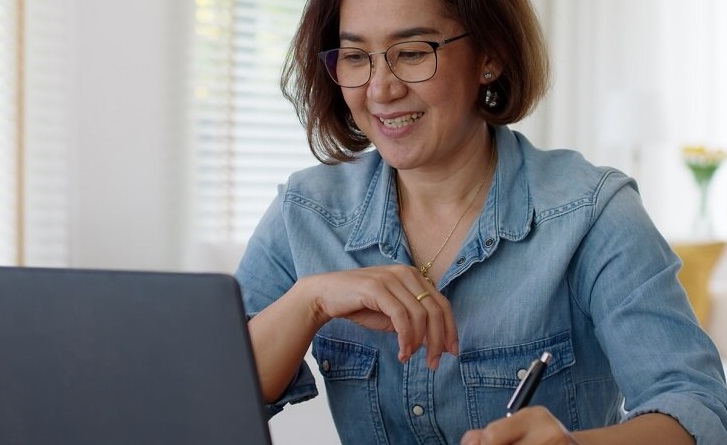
pixel 563 258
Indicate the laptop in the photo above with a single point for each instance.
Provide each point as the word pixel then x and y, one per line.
pixel 125 357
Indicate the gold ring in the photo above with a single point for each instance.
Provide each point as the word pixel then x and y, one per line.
pixel 423 295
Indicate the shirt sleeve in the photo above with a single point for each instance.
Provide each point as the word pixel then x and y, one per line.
pixel 626 278
pixel 265 273
pixel 301 388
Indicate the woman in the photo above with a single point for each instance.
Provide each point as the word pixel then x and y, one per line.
pixel 428 273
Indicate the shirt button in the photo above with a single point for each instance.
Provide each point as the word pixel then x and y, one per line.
pixel 460 261
pixel 326 366
pixel 489 242
pixel 417 410
pixel 522 373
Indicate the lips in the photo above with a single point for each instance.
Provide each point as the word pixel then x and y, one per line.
pixel 401 121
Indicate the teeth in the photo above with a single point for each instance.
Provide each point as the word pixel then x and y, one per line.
pixel 401 121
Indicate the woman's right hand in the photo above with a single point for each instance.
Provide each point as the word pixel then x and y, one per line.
pixel 384 298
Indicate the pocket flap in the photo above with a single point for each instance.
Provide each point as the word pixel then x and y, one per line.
pixel 500 367
pixel 338 359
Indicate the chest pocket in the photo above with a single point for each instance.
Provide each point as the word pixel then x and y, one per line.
pixel 490 376
pixel 350 372
pixel 342 360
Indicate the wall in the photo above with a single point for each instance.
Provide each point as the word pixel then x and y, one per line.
pixel 128 145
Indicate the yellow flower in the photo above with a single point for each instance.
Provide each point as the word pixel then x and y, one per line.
pixel 702 162
pixel 701 155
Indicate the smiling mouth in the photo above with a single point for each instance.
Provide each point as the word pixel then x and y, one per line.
pixel 401 121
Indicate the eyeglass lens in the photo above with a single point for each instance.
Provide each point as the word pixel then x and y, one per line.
pixel 409 61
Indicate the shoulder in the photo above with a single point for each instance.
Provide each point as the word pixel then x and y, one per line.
pixel 338 188
pixel 561 180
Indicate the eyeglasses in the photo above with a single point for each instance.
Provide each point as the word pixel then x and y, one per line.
pixel 411 62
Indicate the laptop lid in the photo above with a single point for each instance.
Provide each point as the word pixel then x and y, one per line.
pixel 121 357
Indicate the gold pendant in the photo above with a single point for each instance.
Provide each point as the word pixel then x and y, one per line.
pixel 424 270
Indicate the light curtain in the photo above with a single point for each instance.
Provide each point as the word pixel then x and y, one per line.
pixel 633 83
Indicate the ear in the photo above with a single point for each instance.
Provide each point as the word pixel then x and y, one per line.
pixel 491 70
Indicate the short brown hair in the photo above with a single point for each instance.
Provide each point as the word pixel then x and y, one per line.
pixel 507 29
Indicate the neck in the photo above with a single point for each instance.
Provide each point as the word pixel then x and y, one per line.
pixel 435 220
pixel 447 189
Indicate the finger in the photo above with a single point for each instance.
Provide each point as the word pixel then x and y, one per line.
pixel 441 328
pixel 384 290
pixel 369 289
pixel 538 425
pixel 435 340
pixel 392 291
pixel 411 339
pixel 451 337
pixel 422 295
pixel 474 437
pixel 531 425
pixel 400 320
pixel 426 315
pixel 499 432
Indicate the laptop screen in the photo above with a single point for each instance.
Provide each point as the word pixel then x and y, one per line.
pixel 121 357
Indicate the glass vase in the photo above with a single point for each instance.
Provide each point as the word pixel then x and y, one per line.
pixel 703 173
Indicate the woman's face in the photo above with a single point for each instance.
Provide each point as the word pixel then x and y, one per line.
pixel 414 125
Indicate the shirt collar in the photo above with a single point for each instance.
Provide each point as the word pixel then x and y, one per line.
pixel 508 211
pixel 378 222
pixel 512 200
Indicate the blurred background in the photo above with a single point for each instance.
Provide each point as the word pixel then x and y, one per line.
pixel 151 134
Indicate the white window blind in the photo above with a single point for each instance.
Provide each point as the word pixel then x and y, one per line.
pixel 9 144
pixel 246 138
pixel 34 202
pixel 48 65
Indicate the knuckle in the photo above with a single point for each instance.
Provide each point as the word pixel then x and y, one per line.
pixel 435 311
pixel 399 312
pixel 444 302
pixel 402 269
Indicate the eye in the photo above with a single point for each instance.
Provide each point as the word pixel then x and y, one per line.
pixel 410 53
pixel 411 56
pixel 352 57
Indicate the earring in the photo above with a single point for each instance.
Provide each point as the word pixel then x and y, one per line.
pixel 491 98
pixel 488 75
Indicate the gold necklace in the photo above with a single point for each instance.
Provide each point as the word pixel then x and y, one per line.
pixel 424 268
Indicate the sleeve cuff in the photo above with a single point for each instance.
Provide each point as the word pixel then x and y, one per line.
pixel 302 387
pixel 706 423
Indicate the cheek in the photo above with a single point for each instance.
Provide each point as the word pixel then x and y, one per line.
pixel 355 98
pixel 466 78
pixel 453 96
pixel 459 84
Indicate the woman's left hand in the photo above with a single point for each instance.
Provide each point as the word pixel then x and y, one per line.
pixel 530 426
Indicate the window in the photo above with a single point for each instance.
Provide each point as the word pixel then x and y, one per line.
pixel 9 122
pixel 46 201
pixel 246 138
pixel 33 133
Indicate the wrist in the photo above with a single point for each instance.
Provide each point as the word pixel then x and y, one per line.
pixel 304 292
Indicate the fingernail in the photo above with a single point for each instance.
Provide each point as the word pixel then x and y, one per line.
pixel 434 363
pixel 454 348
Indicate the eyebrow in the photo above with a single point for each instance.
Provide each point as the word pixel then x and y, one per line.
pixel 402 34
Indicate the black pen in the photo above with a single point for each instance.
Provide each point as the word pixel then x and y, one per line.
pixel 525 390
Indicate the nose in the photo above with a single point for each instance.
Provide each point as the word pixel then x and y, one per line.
pixel 383 86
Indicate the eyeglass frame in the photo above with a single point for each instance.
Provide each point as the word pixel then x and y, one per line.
pixel 435 45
